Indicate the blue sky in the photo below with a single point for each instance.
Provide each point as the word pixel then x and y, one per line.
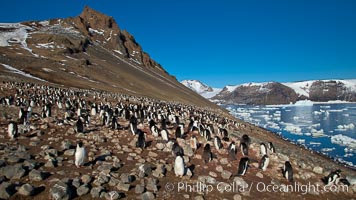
pixel 227 41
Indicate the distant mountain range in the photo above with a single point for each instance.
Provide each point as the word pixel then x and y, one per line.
pixel 278 93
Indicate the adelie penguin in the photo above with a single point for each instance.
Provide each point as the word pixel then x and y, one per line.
pixel 79 126
pixel 244 149
pixel 179 168
pixel 194 143
pixel 180 131
pixel 133 125
pixel 243 165
pixel 153 128
pixel 271 148
pixel 177 150
pixel 207 155
pixel 232 151
pixel 217 143
pixel 245 139
pixel 332 177
pixel 141 141
pixel 263 149
pixel 264 162
pixel 80 155
pixel 12 129
pixel 288 171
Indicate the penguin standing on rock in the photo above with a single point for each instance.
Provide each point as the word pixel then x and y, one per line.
pixel 133 125
pixel 288 171
pixel 232 151
pixel 141 141
pixel 243 165
pixel 179 165
pixel 263 149
pixel 332 177
pixel 194 143
pixel 80 155
pixel 244 149
pixel 264 162
pixel 207 155
pixel 271 147
pixel 12 129
pixel 217 143
pixel 79 126
pixel 177 150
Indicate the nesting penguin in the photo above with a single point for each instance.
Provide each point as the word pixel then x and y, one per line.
pixel 194 143
pixel 133 125
pixel 79 126
pixel 232 151
pixel 179 165
pixel 263 149
pixel 177 150
pixel 271 147
pixel 264 162
pixel 207 155
pixel 244 149
pixel 80 155
pixel 332 177
pixel 180 131
pixel 243 165
pixel 141 141
pixel 12 129
pixel 153 128
pixel 217 143
pixel 288 171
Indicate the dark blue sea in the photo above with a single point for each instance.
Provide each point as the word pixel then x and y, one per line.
pixel 326 128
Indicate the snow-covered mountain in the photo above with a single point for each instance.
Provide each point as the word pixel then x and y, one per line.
pixel 266 93
pixel 201 88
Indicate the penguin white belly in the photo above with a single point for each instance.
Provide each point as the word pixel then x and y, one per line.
pixel 79 156
pixel 179 166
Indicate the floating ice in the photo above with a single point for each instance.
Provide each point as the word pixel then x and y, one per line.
pixel 344 140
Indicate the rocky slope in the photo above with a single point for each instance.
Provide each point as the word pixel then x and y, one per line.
pixel 87 51
pixel 39 161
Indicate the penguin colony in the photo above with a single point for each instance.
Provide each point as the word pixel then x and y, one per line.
pixel 207 133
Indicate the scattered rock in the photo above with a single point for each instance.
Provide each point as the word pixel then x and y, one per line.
pixel 86 178
pixel 213 174
pixel 13 172
pixel 219 168
pixel 6 190
pixel 123 187
pixel 26 190
pixel 259 175
pixel 50 164
pixel 199 198
pixel 160 146
pixel 147 196
pixel 207 179
pixel 226 174
pixel 60 191
pixel 160 171
pixel 127 178
pixel 113 195
pixel 96 191
pixel 139 189
pixel 36 175
pixel 237 197
pixel 83 189
pixel 152 154
pixel 240 182
pixel 69 152
pixel 187 149
pixel 318 170
pixel 224 161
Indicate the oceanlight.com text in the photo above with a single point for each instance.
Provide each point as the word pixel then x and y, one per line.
pixel 235 187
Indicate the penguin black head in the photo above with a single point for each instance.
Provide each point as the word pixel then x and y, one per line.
pixel 80 144
pixel 207 147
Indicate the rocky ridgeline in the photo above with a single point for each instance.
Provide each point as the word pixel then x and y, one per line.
pixel 39 162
